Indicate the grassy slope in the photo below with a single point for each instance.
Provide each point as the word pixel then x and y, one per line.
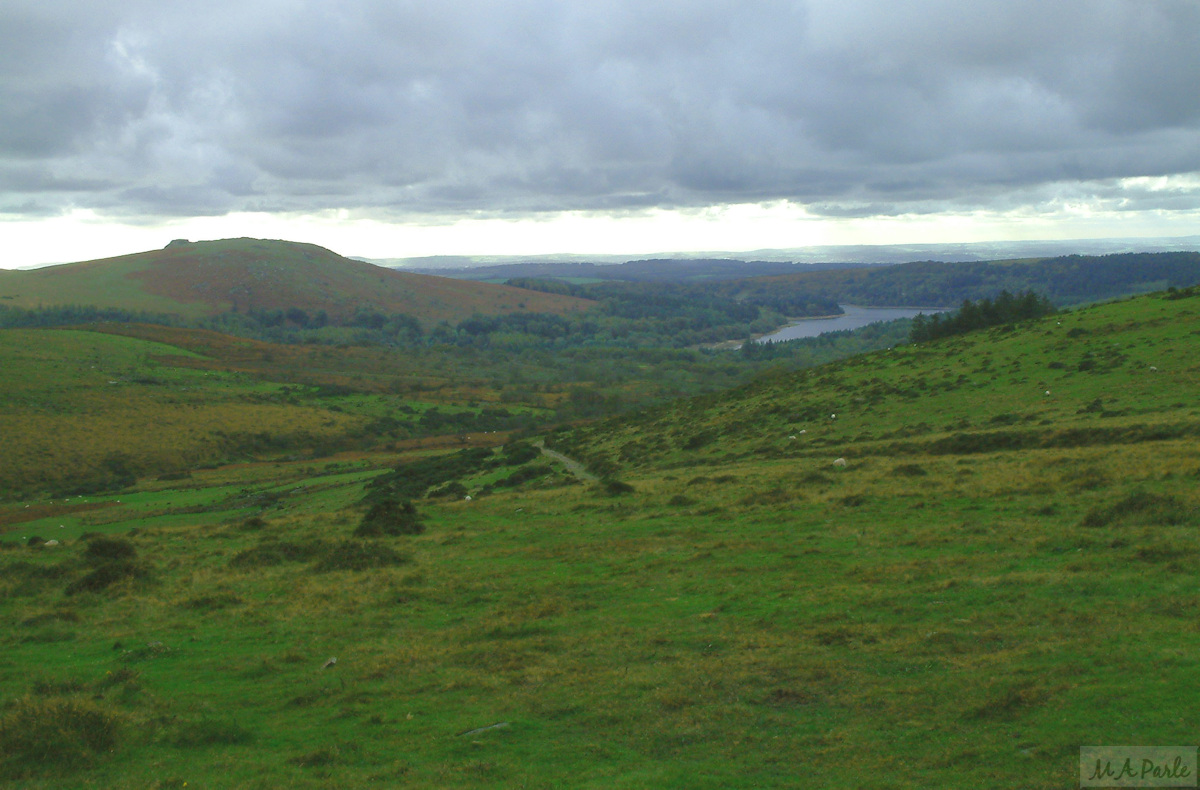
pixel 204 278
pixel 1088 374
pixel 165 400
pixel 996 577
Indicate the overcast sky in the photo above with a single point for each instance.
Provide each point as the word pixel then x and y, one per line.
pixel 414 127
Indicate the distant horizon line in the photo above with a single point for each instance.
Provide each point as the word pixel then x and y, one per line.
pixel 816 253
pixel 805 254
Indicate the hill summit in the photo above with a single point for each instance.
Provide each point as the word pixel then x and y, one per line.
pixel 196 279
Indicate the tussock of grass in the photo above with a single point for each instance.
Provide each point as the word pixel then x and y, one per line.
pixel 147 652
pixel 210 732
pixel 318 758
pixel 277 552
pixel 777 495
pixel 1009 701
pixel 1140 507
pixel 123 676
pixel 212 602
pixel 49 734
pixel 26 572
pixel 55 616
pixel 58 687
pixel 107 575
pixel 613 487
pixel 789 697
pixel 353 555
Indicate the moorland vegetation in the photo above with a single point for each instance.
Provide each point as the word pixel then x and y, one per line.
pixel 239 563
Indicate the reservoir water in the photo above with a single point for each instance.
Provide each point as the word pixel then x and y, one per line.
pixel 853 318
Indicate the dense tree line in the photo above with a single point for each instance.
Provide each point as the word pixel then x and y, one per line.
pixel 1004 309
pixel 627 315
pixel 1066 280
pixel 679 314
pixel 72 315
pixel 738 300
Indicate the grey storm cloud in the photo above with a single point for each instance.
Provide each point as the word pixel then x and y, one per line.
pixel 407 107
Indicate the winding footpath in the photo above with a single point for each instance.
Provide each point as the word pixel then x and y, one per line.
pixel 574 467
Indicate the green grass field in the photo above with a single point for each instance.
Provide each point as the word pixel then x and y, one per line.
pixel 995 577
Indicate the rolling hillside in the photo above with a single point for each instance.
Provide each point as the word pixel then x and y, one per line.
pixel 1119 372
pixel 95 408
pixel 944 565
pixel 199 279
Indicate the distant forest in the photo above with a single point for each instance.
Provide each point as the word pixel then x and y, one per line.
pixel 661 315
pixel 1065 281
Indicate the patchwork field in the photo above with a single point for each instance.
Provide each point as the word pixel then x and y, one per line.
pixel 947 565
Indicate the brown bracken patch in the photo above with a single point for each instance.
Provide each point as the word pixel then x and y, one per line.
pixel 19 514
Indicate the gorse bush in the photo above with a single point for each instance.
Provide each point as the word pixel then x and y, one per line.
pixel 412 480
pixel 519 453
pixel 391 517
pixel 524 475
pixel 101 549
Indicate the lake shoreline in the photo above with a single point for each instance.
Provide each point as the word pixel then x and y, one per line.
pixel 853 316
